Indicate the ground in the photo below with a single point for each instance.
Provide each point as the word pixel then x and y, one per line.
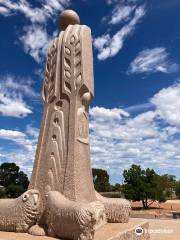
pixel 164 229
pixel 159 230
pixel 162 211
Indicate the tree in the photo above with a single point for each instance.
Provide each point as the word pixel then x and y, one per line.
pixel 8 174
pixel 14 181
pixel 101 180
pixel 143 185
pixel 116 187
pixel 177 189
pixel 14 191
pixel 168 183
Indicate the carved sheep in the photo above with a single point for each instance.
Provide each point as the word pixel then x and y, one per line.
pixel 18 215
pixel 68 219
pixel 117 210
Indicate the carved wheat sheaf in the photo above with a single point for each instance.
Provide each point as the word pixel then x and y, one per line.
pixel 50 74
pixel 72 64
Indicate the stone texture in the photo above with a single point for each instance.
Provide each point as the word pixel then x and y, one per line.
pixel 117 209
pixel 20 214
pixel 62 175
pixel 110 231
pixel 69 219
pixel 125 231
pixel 63 151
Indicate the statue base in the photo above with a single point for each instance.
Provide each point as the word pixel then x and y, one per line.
pixel 110 231
pixel 123 231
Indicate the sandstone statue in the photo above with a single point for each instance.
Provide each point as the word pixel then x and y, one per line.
pixel 20 214
pixel 70 207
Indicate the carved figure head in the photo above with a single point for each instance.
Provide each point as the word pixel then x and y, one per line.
pixel 31 198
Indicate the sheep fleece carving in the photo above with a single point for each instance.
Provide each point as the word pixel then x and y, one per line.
pixel 68 219
pixel 19 214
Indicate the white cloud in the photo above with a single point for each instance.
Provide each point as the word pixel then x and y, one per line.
pixel 167 103
pixel 13 106
pixel 35 38
pixel 106 114
pixel 109 46
pixel 36 41
pixel 117 144
pixel 32 131
pixel 18 137
pixel 150 138
pixel 4 11
pixel 24 152
pixel 34 14
pixel 119 139
pixel 121 13
pixel 9 134
pixel 12 91
pixel 153 60
pixel 19 85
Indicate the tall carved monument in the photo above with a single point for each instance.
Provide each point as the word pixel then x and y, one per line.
pixel 61 198
pixel 63 155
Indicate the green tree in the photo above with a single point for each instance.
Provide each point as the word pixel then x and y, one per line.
pixel 143 185
pixel 168 183
pixel 13 180
pixel 177 189
pixel 8 174
pixel 116 187
pixel 2 192
pixel 14 190
pixel 101 180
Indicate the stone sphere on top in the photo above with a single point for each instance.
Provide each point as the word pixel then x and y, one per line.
pixel 68 17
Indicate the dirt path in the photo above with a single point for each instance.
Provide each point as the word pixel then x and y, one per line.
pixel 163 229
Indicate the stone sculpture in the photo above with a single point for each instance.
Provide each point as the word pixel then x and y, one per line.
pixel 20 214
pixel 69 219
pixel 70 207
pixel 117 210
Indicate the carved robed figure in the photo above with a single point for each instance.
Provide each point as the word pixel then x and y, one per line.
pixel 70 207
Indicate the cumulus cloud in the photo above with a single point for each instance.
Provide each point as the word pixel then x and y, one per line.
pixel 20 138
pixel 108 46
pixel 12 93
pixel 106 114
pixel 167 103
pixel 19 85
pixel 153 60
pixel 34 14
pixel 24 150
pixel 34 36
pixel 13 106
pixel 118 143
pixel 121 13
pixel 9 134
pixel 150 138
pixel 35 41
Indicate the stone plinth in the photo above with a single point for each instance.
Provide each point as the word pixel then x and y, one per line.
pixel 110 231
pixel 125 231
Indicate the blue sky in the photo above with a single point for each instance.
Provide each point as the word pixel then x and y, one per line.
pixel 135 115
